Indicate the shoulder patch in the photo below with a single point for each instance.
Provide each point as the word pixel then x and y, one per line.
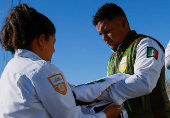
pixel 58 83
pixel 123 64
pixel 152 52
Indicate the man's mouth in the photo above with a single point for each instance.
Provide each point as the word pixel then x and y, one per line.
pixel 109 42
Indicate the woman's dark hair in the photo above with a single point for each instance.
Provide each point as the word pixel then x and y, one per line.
pixel 108 11
pixel 22 26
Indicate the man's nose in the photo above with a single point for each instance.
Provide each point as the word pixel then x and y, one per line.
pixel 105 37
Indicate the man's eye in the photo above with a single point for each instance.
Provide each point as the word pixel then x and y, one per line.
pixel 108 31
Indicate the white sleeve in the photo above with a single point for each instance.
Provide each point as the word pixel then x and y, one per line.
pixel 167 56
pixel 146 73
pixel 56 96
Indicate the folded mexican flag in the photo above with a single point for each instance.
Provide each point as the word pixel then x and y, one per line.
pixel 90 91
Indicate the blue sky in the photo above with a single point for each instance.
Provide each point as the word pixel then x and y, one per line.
pixel 81 53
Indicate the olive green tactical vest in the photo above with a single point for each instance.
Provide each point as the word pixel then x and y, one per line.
pixel 153 105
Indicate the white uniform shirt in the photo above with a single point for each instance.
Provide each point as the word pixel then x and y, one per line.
pixel 146 73
pixel 167 56
pixel 33 88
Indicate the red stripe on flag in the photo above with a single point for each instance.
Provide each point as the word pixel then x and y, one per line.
pixel 156 54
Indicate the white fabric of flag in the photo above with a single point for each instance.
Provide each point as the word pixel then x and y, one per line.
pixel 88 92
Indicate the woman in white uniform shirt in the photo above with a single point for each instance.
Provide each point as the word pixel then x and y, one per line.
pixel 30 86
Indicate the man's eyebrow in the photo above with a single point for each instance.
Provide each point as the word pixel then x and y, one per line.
pixel 105 27
pixel 103 30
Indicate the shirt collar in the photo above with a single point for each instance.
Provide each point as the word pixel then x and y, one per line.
pixel 26 54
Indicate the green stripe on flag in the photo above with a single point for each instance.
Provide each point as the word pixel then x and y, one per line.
pixel 150 52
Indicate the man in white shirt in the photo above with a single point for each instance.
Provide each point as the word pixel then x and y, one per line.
pixel 138 55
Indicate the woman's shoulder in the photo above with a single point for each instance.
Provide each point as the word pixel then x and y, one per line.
pixel 47 69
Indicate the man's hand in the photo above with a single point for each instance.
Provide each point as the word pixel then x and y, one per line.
pixel 113 111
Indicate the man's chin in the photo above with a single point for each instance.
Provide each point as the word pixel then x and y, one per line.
pixel 114 48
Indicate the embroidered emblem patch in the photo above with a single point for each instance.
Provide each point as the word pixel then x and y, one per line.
pixel 152 52
pixel 123 64
pixel 58 83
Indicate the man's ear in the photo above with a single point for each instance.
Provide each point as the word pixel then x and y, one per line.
pixel 41 40
pixel 123 22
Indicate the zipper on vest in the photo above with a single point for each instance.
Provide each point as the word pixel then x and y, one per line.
pixel 114 71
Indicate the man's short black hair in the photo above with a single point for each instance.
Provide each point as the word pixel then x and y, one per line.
pixel 108 11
